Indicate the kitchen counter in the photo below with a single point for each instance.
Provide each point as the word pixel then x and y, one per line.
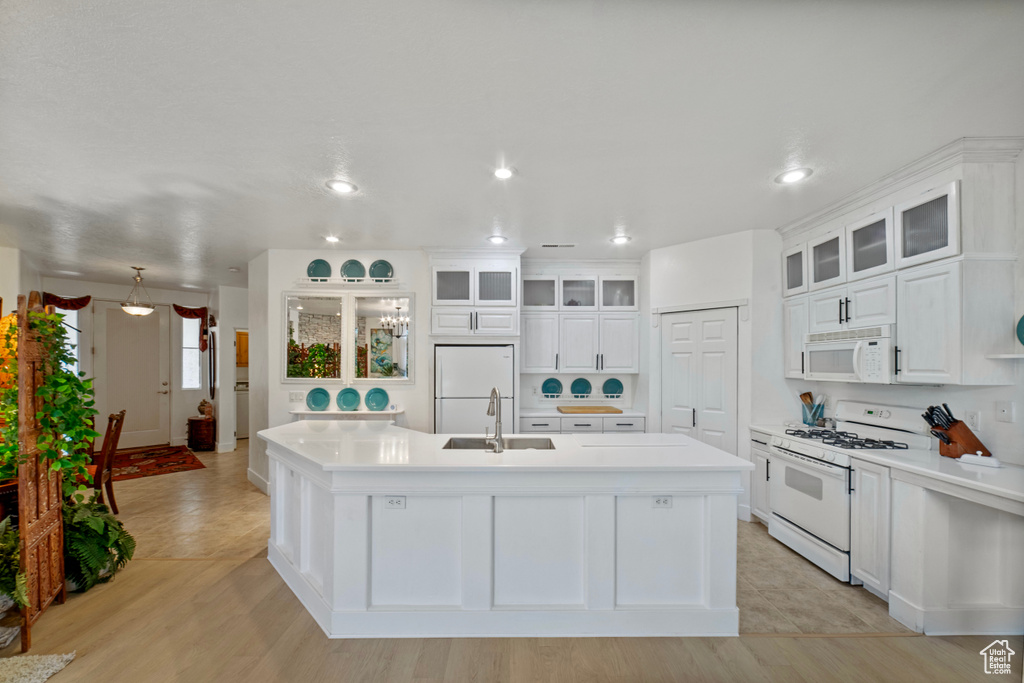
pixel 381 532
pixel 1003 482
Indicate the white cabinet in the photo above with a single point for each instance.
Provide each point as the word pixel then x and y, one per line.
pixel 539 342
pixel 794 312
pixel 540 293
pixel 928 340
pixel 472 283
pixel 870 510
pixel 540 424
pixel 579 342
pixel 860 304
pixel 619 293
pixel 582 423
pixel 623 424
pixel 474 321
pixel 927 227
pixel 827 260
pixel 759 454
pixel 578 293
pixel 619 344
pixel 869 246
pixel 794 270
pixel 826 310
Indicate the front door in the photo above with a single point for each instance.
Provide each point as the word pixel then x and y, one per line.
pixel 699 372
pixel 132 372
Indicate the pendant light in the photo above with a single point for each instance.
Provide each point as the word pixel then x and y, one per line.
pixel 397 324
pixel 132 305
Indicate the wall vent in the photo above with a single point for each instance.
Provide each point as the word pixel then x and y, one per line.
pixel 557 246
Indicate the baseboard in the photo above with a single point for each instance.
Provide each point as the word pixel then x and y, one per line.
pixel 964 621
pixel 179 441
pixel 227 446
pixel 258 481
pixel 743 512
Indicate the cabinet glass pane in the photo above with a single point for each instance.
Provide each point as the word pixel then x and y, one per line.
pixel 926 227
pixel 826 260
pixel 618 293
pixel 453 285
pixel 869 246
pixel 494 286
pixel 538 292
pixel 578 293
pixel 795 270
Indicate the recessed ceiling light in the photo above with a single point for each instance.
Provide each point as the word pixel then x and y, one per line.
pixel 497 239
pixel 620 239
pixel 793 176
pixel 234 269
pixel 332 238
pixel 298 308
pixel 341 186
pixel 503 173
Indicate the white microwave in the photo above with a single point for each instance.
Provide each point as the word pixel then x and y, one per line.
pixel 863 355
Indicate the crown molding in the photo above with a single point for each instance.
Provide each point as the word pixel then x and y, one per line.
pixel 962 150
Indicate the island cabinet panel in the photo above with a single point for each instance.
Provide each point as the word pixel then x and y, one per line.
pixel 539 546
pixel 313 556
pixel 659 551
pixel 416 557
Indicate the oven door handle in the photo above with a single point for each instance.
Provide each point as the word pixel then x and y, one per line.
pixel 828 469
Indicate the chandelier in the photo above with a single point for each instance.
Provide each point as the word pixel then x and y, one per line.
pixel 397 324
pixel 132 305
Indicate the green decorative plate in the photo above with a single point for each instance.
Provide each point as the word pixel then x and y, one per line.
pixel 551 387
pixel 376 399
pixel 612 387
pixel 318 269
pixel 1020 330
pixel 580 387
pixel 381 270
pixel 348 399
pixel 318 399
pixel 353 269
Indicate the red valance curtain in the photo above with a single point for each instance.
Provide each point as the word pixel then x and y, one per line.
pixel 67 303
pixel 204 318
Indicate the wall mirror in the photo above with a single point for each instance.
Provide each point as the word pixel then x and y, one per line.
pixel 314 338
pixel 382 333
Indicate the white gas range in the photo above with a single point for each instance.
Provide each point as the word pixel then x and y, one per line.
pixel 809 477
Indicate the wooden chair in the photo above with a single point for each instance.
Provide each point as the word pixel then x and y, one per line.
pixel 102 467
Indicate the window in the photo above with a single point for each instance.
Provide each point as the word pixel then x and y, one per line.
pixel 71 327
pixel 191 377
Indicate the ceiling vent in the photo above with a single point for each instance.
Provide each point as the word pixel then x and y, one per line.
pixel 557 246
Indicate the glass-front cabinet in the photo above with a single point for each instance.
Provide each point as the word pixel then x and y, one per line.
pixel 928 226
pixel 540 292
pixel 827 260
pixel 579 293
pixel 794 270
pixel 869 248
pixel 619 293
pixel 475 284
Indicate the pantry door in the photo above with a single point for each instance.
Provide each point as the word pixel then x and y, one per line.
pixel 132 369
pixel 699 375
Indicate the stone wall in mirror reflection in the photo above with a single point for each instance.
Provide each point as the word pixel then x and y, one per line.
pixel 314 336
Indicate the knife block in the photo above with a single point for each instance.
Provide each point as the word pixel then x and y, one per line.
pixel 964 441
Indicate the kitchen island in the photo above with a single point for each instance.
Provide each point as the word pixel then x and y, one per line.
pixel 383 532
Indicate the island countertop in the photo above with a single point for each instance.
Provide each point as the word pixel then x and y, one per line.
pixel 376 446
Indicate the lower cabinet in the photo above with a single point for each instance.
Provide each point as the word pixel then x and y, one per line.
pixel 582 423
pixel 759 503
pixel 870 513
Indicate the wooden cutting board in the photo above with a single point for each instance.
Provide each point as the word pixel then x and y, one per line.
pixel 589 410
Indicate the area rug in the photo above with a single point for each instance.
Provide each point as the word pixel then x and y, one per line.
pixel 132 463
pixel 32 668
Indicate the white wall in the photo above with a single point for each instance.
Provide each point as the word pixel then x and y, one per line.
pixel 10 281
pixel 230 305
pixel 183 401
pixel 275 272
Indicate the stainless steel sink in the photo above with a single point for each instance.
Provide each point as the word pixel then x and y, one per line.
pixel 512 443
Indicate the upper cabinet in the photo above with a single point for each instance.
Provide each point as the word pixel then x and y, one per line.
pixel 579 293
pixel 827 260
pixel 928 226
pixel 619 293
pixel 476 283
pixel 869 246
pixel 794 270
pixel 580 290
pixel 540 292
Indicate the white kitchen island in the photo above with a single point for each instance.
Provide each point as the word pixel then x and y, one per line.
pixel 381 532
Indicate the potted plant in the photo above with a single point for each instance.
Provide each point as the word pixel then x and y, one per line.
pixel 12 579
pixel 96 544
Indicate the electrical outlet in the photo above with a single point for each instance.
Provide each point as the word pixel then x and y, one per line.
pixel 973 419
pixel 1006 411
pixel 534 388
pixel 394 502
pixel 296 396
pixel 661 502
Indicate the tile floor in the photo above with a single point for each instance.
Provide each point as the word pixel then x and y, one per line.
pixel 778 591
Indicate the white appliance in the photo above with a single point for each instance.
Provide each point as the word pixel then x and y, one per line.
pixel 863 355
pixel 242 410
pixel 809 477
pixel 463 378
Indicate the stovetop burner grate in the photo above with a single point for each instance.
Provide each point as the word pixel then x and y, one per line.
pixel 847 440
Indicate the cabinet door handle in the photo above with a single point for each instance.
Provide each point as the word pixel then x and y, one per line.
pixel 851 481
pixel 767 470
pixel 801 362
pixel 840 311
pixel 602 361
pixel 897 359
pixel 556 361
pixel 847 309
pixel 694 416
pixel 597 361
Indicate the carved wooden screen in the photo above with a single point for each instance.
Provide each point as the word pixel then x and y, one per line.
pixel 40 521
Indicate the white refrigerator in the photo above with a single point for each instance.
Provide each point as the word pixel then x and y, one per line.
pixel 463 379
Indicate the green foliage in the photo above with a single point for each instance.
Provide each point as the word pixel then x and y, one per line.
pixel 9 406
pixel 67 407
pixel 12 579
pixel 319 360
pixel 94 542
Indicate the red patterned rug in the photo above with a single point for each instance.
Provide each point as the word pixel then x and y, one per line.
pixel 132 463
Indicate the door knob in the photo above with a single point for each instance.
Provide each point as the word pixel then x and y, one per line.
pixel 163 392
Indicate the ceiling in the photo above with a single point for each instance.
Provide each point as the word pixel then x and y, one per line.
pixel 189 136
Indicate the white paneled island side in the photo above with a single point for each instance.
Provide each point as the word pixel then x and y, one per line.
pixel 382 532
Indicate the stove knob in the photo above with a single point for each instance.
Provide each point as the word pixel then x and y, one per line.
pixel 831 457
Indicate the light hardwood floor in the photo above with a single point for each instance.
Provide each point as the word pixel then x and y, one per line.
pixel 201 603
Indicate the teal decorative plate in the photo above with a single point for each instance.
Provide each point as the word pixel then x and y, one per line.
pixel 376 399
pixel 319 269
pixel 551 387
pixel 318 399
pixel 612 387
pixel 580 387
pixel 1020 330
pixel 381 270
pixel 348 399
pixel 353 269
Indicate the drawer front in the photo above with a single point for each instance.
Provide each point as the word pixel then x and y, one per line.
pixel 759 440
pixel 539 424
pixel 623 424
pixel 581 424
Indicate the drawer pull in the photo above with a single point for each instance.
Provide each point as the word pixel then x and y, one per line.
pixel 763 443
pixel 585 424
pixel 623 424
pixel 540 424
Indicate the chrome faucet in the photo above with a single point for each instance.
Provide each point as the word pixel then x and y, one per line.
pixel 494 409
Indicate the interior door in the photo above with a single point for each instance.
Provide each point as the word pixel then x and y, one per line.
pixel 132 368
pixel 699 373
